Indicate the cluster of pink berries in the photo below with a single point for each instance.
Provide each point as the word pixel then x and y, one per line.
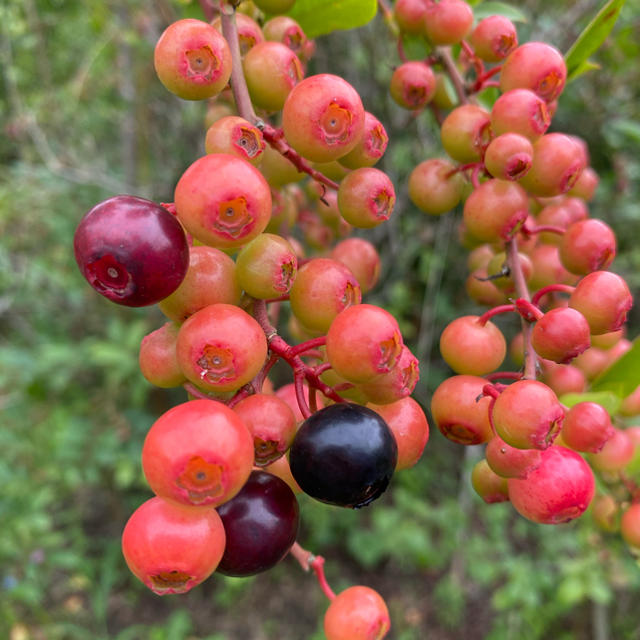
pixel 222 261
pixel 526 219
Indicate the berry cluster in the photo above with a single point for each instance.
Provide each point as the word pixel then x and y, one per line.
pixel 525 194
pixel 243 244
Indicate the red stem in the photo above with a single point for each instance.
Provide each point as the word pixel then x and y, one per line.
pixel 307 560
pixel 545 227
pixel 538 295
pixel 504 375
pixel 487 315
pixel 517 275
pixel 301 348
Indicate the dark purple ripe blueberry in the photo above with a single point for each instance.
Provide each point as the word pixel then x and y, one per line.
pixel 131 250
pixel 261 523
pixel 344 454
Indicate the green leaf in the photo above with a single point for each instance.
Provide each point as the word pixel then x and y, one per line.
pixel 487 9
pixel 594 34
pixel 623 376
pixel 319 17
pixel 584 67
pixel 609 400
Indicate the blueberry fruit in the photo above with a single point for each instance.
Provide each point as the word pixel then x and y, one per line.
pixel 344 454
pixel 131 250
pixel 261 523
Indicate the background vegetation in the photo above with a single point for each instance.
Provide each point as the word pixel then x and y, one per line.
pixel 82 118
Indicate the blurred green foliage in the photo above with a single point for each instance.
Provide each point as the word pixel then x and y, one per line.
pixel 83 118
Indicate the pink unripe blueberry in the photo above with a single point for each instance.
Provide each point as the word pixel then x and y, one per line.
pixel 362 258
pixel 249 31
pixel 520 111
pixel 472 347
pixel 267 266
pixel 565 379
pixel 322 289
pixel 587 427
pixel 357 613
pixel 587 245
pixel 371 147
pixel 494 38
pixel 408 423
pixel 223 201
pixel 413 84
pixel 491 487
pixel 271 70
pixel 447 21
pixel 561 335
pixel 511 462
pixel 465 133
pixel 192 59
pixel 606 512
pixel 171 547
pixel 323 118
pixel 287 31
pixel 366 197
pixel 509 156
pixel 435 186
pixel 197 453
pixel 158 361
pixel 616 453
pixel 495 209
pixel 557 164
pixel 363 341
pixel 271 424
pixel 395 385
pixel 630 525
pixel 236 136
pixel 457 411
pixel 536 66
pixel 527 415
pixel 211 278
pixel 585 186
pixel 221 347
pixel 547 268
pixel 409 15
pixel 559 490
pixel 604 299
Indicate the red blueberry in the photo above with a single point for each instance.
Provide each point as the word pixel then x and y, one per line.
pixel 131 250
pixel 157 358
pixel 604 299
pixel 271 423
pixel 363 341
pixel 409 425
pixel 198 453
pixel 170 547
pixel 561 335
pixel 192 59
pixel 472 347
pixel 527 415
pixel 323 118
pixel 488 484
pixel 221 347
pixel 587 427
pixel 357 613
pixel 460 412
pixel 558 491
pixel 494 38
pixel 223 201
pixel 536 66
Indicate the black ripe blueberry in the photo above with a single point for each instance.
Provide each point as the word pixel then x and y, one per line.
pixel 344 455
